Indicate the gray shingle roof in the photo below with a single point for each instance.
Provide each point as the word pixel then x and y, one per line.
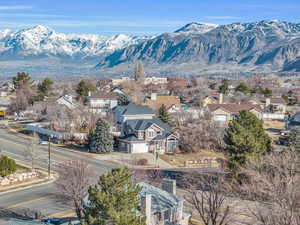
pixel 161 200
pixel 146 123
pixel 130 137
pixel 133 109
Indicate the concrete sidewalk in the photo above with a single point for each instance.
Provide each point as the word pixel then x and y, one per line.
pixel 130 160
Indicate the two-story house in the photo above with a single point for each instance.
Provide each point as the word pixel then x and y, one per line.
pixel 147 135
pixel 102 102
pixel 161 205
pixel 132 112
pixel 141 132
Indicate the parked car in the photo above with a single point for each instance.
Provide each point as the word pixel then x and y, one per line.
pixel 52 221
pixel 43 142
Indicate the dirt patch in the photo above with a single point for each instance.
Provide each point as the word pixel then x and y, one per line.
pixel 179 160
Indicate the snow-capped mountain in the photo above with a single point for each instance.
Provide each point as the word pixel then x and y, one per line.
pixel 271 44
pixel 199 28
pixel 41 41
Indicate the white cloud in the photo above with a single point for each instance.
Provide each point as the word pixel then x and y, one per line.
pixel 15 7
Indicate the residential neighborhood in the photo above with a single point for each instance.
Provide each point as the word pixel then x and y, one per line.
pixel 166 127
pixel 149 112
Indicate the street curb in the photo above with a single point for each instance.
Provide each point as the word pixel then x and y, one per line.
pixel 45 181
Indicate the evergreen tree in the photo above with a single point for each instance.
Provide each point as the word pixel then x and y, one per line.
pixel 101 139
pixel 7 166
pixel 223 89
pixel 45 85
pixel 245 138
pixel 123 99
pixel 21 79
pixel 115 200
pixel 84 87
pixel 163 114
pixel 243 87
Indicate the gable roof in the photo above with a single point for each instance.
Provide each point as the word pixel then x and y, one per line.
pixel 160 200
pixel 133 109
pixel 234 108
pixel 146 123
pixel 168 101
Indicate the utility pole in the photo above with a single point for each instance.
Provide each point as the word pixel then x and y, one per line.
pixel 49 158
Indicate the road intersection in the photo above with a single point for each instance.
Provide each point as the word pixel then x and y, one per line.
pixel 42 198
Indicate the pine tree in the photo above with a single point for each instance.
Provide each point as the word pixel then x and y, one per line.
pixel 101 139
pixel 115 200
pixel 245 138
pixel 223 89
pixel 163 114
pixel 84 87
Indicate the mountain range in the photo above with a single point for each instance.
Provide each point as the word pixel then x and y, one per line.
pixel 268 45
pixel 41 41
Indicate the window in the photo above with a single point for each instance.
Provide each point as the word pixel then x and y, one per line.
pixel 151 133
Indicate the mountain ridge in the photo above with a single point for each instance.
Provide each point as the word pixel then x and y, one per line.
pixel 271 44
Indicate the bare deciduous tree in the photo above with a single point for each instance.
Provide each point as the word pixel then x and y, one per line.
pixel 206 195
pixel 201 135
pixel 76 176
pixel 274 187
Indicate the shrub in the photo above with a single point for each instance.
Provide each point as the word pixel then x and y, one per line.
pixel 142 162
pixel 7 166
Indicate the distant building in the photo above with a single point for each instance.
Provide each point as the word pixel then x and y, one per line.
pixel 67 100
pixel 102 102
pixel 226 112
pixel 156 101
pixel 119 81
pixel 155 80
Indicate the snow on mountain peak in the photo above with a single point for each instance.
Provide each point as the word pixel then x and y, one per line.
pixel 42 40
pixel 197 28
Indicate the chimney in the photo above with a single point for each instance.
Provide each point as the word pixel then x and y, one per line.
pixel 146 203
pixel 153 96
pixel 169 185
pixel 221 98
pixel 268 102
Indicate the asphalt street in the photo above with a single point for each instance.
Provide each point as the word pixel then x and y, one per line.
pixel 43 199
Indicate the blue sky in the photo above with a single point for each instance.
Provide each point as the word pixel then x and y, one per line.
pixel 139 17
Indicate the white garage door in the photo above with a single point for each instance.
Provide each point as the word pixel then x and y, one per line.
pixel 139 148
pixel 220 117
